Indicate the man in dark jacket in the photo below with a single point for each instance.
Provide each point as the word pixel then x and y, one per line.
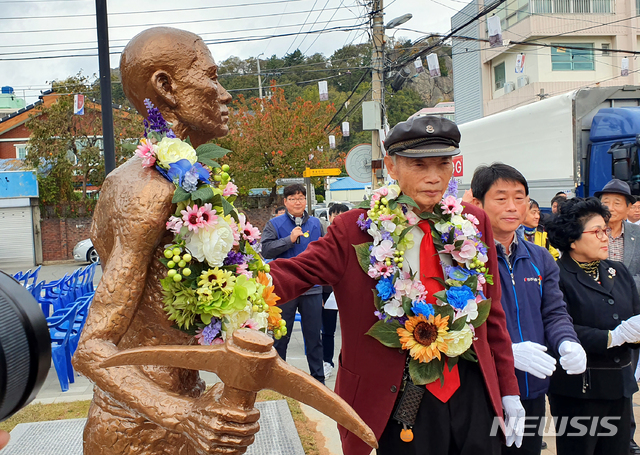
pixel 537 316
pixel 286 236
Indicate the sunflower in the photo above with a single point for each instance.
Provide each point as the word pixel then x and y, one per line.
pixel 424 337
pixel 217 278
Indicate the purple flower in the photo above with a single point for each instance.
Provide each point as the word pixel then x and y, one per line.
pixel 210 332
pixel 364 224
pixel 452 189
pixel 386 235
pixel 379 315
pixel 155 121
pixel 234 258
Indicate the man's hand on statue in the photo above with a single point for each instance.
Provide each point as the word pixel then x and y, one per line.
pixel 531 357
pixel 4 439
pixel 572 357
pixel 297 232
pixel 514 416
pixel 219 429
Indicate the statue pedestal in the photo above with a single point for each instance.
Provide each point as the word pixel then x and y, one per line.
pixel 277 435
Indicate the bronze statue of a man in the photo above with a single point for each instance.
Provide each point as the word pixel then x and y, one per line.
pixel 149 409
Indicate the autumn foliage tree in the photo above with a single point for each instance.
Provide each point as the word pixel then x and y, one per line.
pixel 273 138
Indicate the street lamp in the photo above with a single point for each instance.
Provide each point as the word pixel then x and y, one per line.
pixel 393 23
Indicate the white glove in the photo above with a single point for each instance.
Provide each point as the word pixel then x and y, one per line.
pixel 572 357
pixel 531 358
pixel 514 416
pixel 627 332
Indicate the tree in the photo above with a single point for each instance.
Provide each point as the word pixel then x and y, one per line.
pixel 67 148
pixel 273 138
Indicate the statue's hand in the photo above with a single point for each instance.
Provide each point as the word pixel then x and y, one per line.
pixel 215 428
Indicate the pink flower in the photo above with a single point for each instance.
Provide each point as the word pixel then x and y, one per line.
pixel 466 252
pixel 250 233
pixel 243 269
pixel 236 233
pixel 384 191
pixel 412 218
pixel 174 224
pixel 384 270
pixel 384 250
pixel 373 272
pixel 192 218
pixel 418 291
pixel 472 218
pixel 451 205
pixel 230 190
pixel 217 341
pixel 250 324
pixel 386 217
pixel 449 248
pixel 208 215
pixel 146 152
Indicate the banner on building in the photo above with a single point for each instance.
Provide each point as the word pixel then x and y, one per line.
pixel 324 90
pixel 520 63
pixel 418 64
pixel 434 65
pixel 78 104
pixel 495 31
pixel 345 129
pixel 624 67
pixel 332 142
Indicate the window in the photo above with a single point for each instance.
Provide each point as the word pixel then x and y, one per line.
pixel 563 59
pixel 21 151
pixel 605 49
pixel 499 75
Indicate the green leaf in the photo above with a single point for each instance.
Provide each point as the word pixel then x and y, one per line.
pixel 452 362
pixel 393 205
pixel 386 333
pixel 406 305
pixel 226 207
pixel 426 373
pixel 188 141
pixel 180 195
pixel 472 282
pixel 443 310
pixel 204 194
pixel 129 147
pixel 458 324
pixel 377 301
pixel 364 205
pixel 470 355
pixel 429 216
pixel 442 296
pixel 209 162
pixel 404 199
pixel 155 135
pixel 404 232
pixel 363 255
pixel 484 308
pixel 211 151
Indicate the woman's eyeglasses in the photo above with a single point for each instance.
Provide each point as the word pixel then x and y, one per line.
pixel 600 233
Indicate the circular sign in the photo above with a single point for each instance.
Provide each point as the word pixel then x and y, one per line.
pixel 358 163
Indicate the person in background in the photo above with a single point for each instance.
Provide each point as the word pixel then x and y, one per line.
pixel 537 318
pixel 533 232
pixel 330 309
pixel 624 246
pixel 286 236
pixel 279 211
pixel 634 213
pixel 603 301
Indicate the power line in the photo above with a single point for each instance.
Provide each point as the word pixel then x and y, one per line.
pixel 305 22
pixel 354 107
pixel 318 17
pixel 348 98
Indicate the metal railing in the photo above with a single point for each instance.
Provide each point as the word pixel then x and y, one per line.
pixel 573 6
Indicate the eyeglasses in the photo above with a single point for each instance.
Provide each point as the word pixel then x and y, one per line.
pixel 297 200
pixel 600 233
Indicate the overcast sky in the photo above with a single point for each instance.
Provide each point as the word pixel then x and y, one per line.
pixel 51 28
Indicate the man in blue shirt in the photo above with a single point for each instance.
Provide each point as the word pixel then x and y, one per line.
pixel 537 318
pixel 287 236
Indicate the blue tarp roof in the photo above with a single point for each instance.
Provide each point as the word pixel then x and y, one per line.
pixel 347 183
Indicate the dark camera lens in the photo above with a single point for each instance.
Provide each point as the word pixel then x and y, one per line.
pixel 25 347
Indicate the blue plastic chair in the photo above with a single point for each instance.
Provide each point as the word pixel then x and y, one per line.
pixel 36 290
pixel 18 275
pixel 32 278
pixel 68 289
pixel 60 330
pixel 50 296
pixel 85 280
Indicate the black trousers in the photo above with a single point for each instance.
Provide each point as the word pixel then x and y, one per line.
pixel 310 309
pixel 608 437
pixel 461 426
pixel 329 322
pixel 634 365
pixel 533 430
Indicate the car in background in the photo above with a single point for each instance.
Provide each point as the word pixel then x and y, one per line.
pixel 85 252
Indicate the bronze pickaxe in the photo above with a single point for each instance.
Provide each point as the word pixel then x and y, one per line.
pixel 246 364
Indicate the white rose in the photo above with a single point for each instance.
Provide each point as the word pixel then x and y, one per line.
pixel 173 150
pixel 212 243
pixel 458 341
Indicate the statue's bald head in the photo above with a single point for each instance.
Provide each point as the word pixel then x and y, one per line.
pixel 175 70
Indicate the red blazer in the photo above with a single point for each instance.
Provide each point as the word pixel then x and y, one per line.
pixel 369 374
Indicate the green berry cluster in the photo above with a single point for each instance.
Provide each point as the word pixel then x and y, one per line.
pixel 222 174
pixel 178 263
pixel 281 331
pixel 479 265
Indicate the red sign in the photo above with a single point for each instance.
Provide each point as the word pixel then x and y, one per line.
pixel 457 166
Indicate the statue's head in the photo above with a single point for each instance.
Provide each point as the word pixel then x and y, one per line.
pixel 175 70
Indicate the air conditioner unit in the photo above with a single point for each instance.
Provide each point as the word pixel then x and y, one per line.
pixel 523 80
pixel 509 87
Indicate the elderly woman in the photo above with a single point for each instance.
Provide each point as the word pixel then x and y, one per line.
pixel 602 299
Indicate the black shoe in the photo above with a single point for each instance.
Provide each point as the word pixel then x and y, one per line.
pixel 544 445
pixel 633 448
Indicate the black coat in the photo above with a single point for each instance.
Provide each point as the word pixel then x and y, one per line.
pixel 596 309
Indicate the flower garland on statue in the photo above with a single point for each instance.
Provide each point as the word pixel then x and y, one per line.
pixel 217 281
pixel 438 334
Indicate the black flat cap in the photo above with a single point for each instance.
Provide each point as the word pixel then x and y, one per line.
pixel 617 187
pixel 423 136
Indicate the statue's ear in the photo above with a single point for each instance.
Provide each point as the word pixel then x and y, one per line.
pixel 163 85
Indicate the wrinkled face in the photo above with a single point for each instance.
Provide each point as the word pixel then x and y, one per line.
pixel 506 204
pixel 634 212
pixel 617 205
pixel 296 204
pixel 594 242
pixel 202 101
pixel 532 217
pixel 423 179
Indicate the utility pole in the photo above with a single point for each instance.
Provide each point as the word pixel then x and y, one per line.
pixel 105 86
pixel 259 77
pixel 377 87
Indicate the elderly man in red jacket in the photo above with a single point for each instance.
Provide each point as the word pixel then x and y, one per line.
pixel 370 375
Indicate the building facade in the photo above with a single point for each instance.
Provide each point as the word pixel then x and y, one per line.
pixel 575 47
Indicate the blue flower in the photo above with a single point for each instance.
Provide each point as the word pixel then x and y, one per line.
pixel 385 288
pixel 183 170
pixel 459 296
pixel 364 224
pixel 460 274
pixel 423 308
